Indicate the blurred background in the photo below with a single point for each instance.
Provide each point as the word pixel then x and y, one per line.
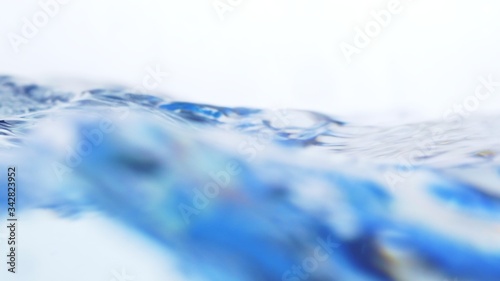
pixel 281 53
pixel 382 61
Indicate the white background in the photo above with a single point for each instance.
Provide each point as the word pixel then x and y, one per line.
pixel 266 53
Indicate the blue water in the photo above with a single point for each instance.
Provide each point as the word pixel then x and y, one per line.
pixel 254 194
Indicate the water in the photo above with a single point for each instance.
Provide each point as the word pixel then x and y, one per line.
pixel 253 194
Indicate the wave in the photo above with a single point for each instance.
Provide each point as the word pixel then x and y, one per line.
pixel 240 193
